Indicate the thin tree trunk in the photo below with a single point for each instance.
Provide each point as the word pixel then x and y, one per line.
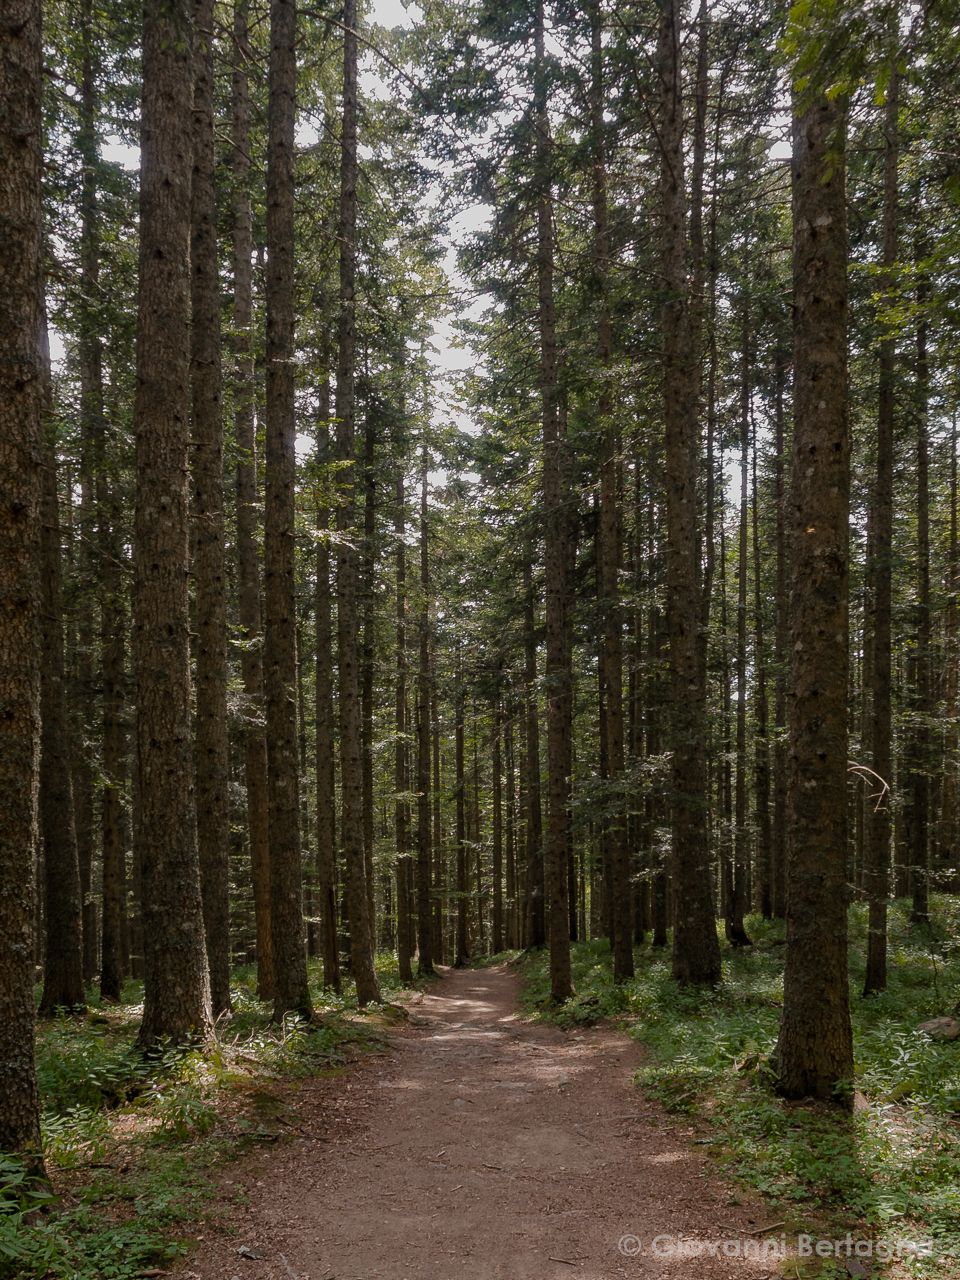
pixel 496 764
pixel 439 872
pixel 248 572
pixel 114 763
pixel 63 952
pixel 950 796
pixel 879 589
pixel 696 951
pixel 535 919
pixel 424 909
pixel 923 700
pixel 351 763
pixel 736 932
pixel 779 835
pixel 610 536
pixel 290 990
pixel 556 559
pixel 176 981
pixel 92 432
pixel 401 752
pixel 510 829
pixel 366 662
pixel 477 838
pixel 761 758
pixel 461 945
pixel 325 761
pixel 209 571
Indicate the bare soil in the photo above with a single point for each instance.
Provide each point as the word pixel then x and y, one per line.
pixel 482 1147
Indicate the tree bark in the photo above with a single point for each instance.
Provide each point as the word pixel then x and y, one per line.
pixel 21 461
pixel 325 759
pixel 176 981
pixel 761 757
pixel 535 919
pixel 351 764
pixel 609 542
pixel 248 571
pixel 737 934
pixel 496 765
pixel 209 571
pixel 696 950
pixel 814 1056
pixel 290 989
pixel 439 871
pixel 921 763
pixel 424 911
pixel 779 834
pixel 461 943
pixel 90 515
pixel 367 647
pixel 556 521
pixel 63 952
pixel 401 775
pixel 113 967
pixel 950 795
pixel 879 587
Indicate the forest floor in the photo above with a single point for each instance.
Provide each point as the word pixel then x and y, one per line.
pixel 481 1146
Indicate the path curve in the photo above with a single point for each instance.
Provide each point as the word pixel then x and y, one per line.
pixel 482 1148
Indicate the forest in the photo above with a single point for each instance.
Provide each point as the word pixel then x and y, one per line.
pixel 479 638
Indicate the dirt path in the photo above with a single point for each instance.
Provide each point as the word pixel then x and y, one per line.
pixel 482 1148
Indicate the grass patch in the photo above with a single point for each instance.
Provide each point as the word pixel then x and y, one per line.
pixel 892 1170
pixel 131 1144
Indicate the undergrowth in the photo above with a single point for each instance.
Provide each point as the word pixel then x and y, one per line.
pixel 892 1169
pixel 130 1143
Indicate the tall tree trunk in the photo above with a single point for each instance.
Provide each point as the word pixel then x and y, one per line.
pixel 325 760
pixel 556 558
pixel 209 572
pixel 879 587
pixel 461 943
pixel 496 764
pixel 761 757
pixel 402 749
pixel 736 932
pixel 248 572
pixel 510 831
pixel 815 1053
pixel 779 835
pixel 696 950
pixel 92 432
pixel 950 795
pixel 477 837
pixel 114 763
pixel 176 981
pixel 290 989
pixel 919 775
pixel 63 952
pixel 536 929
pixel 367 647
pixel 424 910
pixel 22 378
pixel 610 534
pixel 439 872
pixel 351 764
